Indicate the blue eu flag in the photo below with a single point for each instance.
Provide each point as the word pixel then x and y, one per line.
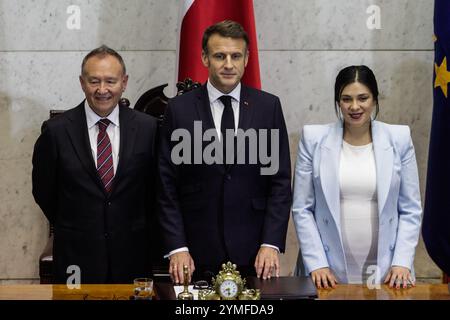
pixel 436 220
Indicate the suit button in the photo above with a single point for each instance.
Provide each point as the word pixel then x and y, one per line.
pixel 106 234
pixel 109 203
pixel 325 221
pixel 228 176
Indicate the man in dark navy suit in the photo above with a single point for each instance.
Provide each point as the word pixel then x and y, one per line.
pixel 212 212
pixel 93 177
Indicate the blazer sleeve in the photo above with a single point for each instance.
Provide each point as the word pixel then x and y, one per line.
pixel 409 206
pixel 311 246
pixel 44 173
pixel 280 198
pixel 170 215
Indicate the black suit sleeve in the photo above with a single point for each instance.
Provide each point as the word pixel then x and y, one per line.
pixel 280 197
pixel 171 218
pixel 44 173
pixel 151 178
pixel 152 206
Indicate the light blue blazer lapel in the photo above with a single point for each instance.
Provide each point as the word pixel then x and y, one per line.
pixel 384 159
pixel 329 170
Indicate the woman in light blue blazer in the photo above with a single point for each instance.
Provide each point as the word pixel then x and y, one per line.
pixel 357 208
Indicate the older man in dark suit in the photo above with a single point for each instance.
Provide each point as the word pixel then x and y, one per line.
pixel 213 210
pixel 93 173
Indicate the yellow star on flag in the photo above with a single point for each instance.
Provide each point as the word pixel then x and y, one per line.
pixel 442 76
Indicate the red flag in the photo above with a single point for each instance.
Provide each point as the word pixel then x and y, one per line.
pixel 197 15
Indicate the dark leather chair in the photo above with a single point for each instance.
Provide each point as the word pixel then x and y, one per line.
pixel 46 261
pixel 152 102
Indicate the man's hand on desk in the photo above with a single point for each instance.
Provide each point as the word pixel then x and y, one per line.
pixel 267 263
pixel 177 262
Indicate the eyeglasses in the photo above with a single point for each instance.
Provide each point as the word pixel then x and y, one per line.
pixel 201 284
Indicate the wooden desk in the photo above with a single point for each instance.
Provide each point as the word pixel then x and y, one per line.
pixel 124 291
pixel 61 292
pixel 359 292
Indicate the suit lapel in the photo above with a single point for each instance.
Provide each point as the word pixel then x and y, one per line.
pixel 330 161
pixel 203 107
pixel 384 159
pixel 329 169
pixel 78 133
pixel 246 109
pixel 128 131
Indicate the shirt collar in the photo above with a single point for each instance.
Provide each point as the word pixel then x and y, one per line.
pixel 92 118
pixel 214 93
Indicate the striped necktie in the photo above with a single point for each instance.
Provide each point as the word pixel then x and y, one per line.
pixel 105 166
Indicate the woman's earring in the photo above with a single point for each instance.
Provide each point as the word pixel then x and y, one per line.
pixel 340 116
pixel 373 115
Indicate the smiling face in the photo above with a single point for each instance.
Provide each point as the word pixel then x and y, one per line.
pixel 103 82
pixel 226 60
pixel 356 103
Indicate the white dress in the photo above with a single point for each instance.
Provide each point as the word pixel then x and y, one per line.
pixel 359 209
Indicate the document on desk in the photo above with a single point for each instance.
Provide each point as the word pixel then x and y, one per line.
pixel 284 288
pixel 179 289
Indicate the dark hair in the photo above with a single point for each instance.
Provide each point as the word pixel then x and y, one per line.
pixel 351 74
pixel 226 28
pixel 102 52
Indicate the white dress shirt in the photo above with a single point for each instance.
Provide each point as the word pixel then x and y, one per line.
pixel 113 131
pixel 217 108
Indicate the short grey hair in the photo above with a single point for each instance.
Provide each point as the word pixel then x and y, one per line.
pixel 103 51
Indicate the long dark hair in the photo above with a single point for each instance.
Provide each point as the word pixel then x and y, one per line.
pixel 351 74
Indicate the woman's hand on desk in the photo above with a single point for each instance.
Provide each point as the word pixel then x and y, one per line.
pixel 324 278
pixel 399 277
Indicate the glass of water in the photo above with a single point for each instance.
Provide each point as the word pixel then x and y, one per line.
pixel 143 288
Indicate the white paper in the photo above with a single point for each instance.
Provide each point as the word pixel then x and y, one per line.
pixel 179 289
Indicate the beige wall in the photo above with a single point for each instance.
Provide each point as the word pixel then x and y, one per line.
pixel 303 43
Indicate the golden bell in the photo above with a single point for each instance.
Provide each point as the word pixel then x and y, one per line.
pixel 185 294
